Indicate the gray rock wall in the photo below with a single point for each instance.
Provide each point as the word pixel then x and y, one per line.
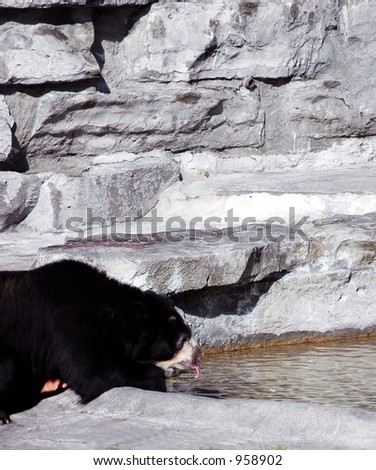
pixel 198 108
pixel 265 76
pixel 82 78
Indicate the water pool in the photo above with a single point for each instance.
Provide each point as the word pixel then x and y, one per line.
pixel 331 373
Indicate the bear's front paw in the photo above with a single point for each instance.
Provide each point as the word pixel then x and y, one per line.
pixel 4 417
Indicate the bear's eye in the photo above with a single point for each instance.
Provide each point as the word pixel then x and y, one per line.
pixel 172 318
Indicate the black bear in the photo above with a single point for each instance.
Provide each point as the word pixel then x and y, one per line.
pixel 68 323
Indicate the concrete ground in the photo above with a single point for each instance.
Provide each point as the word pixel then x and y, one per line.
pixel 127 418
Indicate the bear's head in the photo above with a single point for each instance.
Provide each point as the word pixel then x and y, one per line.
pixel 166 338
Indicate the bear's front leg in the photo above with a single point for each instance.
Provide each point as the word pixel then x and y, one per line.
pixel 90 384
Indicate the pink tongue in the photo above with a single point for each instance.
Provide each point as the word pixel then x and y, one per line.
pixel 196 371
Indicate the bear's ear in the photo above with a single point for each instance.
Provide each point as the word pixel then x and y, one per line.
pixel 141 313
pixel 151 296
pixel 157 300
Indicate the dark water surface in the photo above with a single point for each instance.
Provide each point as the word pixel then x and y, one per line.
pixel 333 373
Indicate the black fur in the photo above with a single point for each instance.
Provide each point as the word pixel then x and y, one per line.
pixel 69 321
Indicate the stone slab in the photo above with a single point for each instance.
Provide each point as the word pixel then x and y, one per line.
pixel 358 50
pixel 18 250
pixel 310 113
pixel 141 118
pixel 102 191
pixel 297 308
pixel 275 196
pixel 178 263
pixel 342 153
pixel 134 419
pixel 225 40
pixel 18 197
pixel 35 50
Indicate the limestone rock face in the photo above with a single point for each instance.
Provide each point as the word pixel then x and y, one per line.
pixel 207 40
pixel 96 194
pixel 143 118
pixel 36 49
pixel 18 196
pixel 268 77
pixel 311 112
pixel 358 47
pixel 172 263
pixel 6 124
